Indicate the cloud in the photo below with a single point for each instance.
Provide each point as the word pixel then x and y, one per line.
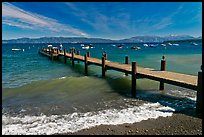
pixel 168 20
pixel 99 19
pixel 14 16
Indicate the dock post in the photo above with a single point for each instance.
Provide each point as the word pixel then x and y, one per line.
pixel 103 67
pixel 88 54
pixel 65 58
pixel 86 64
pixel 70 50
pixel 78 53
pixel 199 93
pixel 72 58
pixel 105 55
pixel 57 54
pixel 52 58
pixel 126 62
pixel 49 50
pixel 133 89
pixel 163 68
pixel 74 50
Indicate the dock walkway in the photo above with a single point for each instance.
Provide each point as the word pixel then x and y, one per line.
pixel 178 79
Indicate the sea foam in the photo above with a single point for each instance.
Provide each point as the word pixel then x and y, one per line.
pixel 77 121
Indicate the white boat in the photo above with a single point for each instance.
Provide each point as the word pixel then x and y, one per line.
pixel 86 46
pixel 169 44
pixel 153 46
pixel 164 45
pixel 195 44
pixel 135 47
pixel 145 45
pixel 175 44
pixel 17 49
pixel 49 46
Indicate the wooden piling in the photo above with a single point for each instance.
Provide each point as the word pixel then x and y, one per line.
pixel 133 88
pixel 78 53
pixel 199 93
pixel 52 58
pixel 57 54
pixel 72 58
pixel 163 68
pixel 70 50
pixel 103 67
pixel 65 58
pixel 126 62
pixel 105 55
pixel 86 64
pixel 88 54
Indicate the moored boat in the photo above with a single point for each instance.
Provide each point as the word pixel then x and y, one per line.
pixel 175 44
pixel 17 49
pixel 164 45
pixel 145 45
pixel 121 46
pixel 195 44
pixel 135 47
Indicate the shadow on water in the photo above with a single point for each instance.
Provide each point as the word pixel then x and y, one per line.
pixel 122 85
pixel 181 105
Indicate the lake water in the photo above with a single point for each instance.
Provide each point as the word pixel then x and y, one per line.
pixel 40 96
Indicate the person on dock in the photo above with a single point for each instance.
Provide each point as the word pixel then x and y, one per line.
pixel 60 47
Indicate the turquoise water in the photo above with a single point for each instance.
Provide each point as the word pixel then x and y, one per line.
pixel 33 85
pixel 19 68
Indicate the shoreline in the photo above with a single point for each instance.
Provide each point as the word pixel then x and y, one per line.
pixel 177 124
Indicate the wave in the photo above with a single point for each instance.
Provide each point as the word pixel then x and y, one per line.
pixel 53 124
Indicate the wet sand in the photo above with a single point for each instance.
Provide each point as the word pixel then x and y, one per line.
pixel 177 124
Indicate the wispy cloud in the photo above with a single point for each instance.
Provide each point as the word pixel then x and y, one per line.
pixel 167 20
pixel 14 16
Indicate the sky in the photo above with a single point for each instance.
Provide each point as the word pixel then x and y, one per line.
pixel 112 20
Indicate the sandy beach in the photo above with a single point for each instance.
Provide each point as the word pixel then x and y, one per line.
pixel 177 124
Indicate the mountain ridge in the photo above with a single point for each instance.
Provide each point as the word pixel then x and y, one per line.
pixel 135 39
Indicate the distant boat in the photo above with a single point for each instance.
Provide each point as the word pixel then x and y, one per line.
pixel 86 46
pixel 74 42
pixel 49 46
pixel 121 46
pixel 152 45
pixel 169 44
pixel 175 44
pixel 113 45
pixel 145 45
pixel 135 47
pixel 195 44
pixel 164 45
pixel 17 49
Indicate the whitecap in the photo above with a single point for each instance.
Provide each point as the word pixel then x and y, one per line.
pixel 77 121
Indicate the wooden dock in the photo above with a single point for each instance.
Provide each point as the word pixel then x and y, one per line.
pixel 173 78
